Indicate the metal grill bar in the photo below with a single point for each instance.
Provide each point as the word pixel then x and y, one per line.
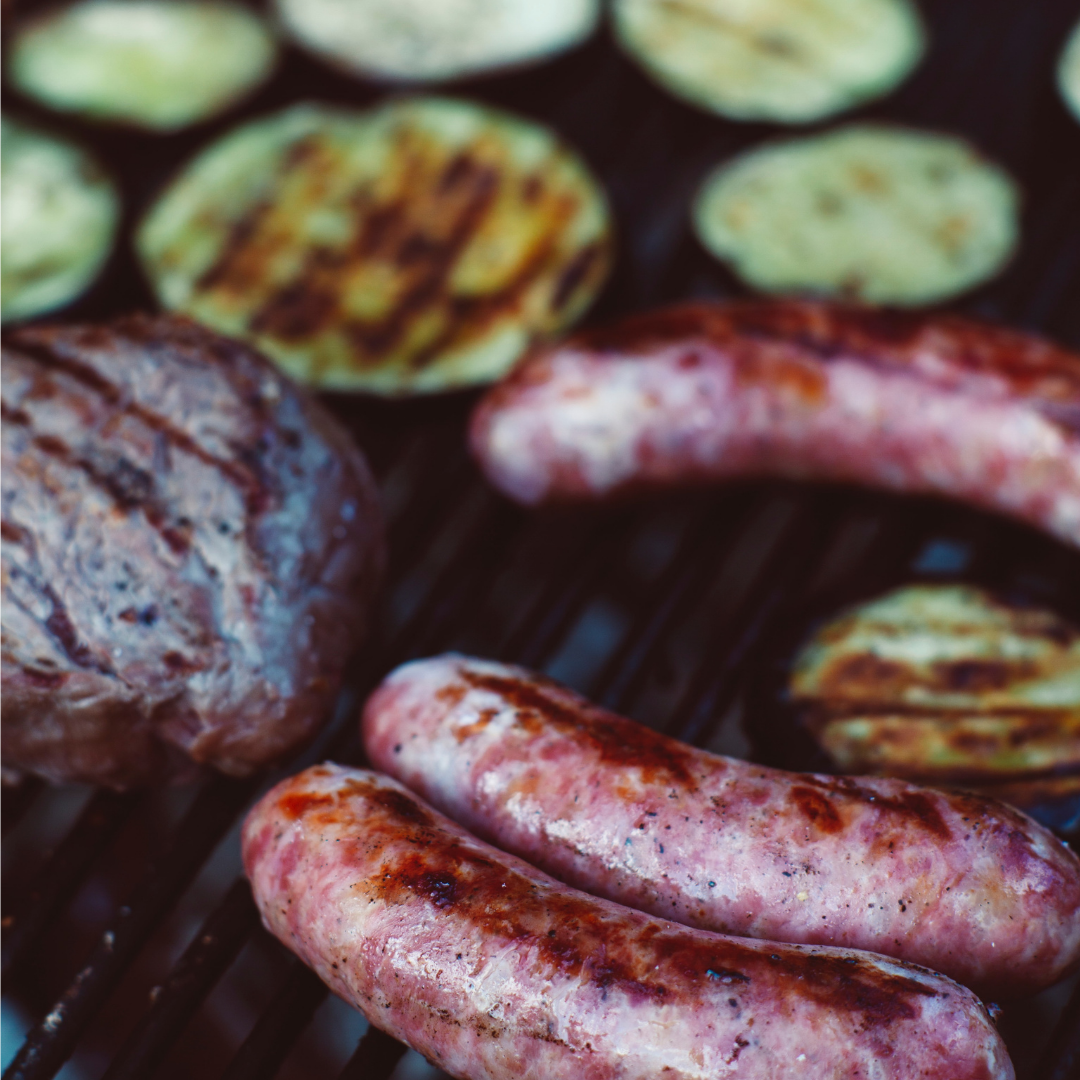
pixel 277 1030
pixel 51 1042
pixel 175 1001
pixel 94 830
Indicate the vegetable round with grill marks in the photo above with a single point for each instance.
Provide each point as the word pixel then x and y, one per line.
pixel 871 212
pixel 418 247
pixel 789 61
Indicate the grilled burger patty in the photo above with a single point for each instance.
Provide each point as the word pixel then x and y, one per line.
pixel 959 883
pixel 925 404
pixel 494 971
pixel 190 546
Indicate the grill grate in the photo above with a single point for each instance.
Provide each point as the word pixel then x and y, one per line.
pixel 133 945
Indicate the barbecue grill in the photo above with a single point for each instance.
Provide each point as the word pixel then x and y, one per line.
pixel 131 945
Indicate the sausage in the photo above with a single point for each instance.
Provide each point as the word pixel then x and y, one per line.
pixel 956 882
pixel 934 404
pixel 493 970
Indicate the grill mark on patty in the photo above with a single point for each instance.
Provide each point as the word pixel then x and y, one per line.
pixel 129 487
pixel 251 485
pixel 574 935
pixel 63 631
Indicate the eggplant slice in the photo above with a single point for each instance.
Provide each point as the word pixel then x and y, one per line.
pixel 418 247
pixel 867 212
pixel 947 685
pixel 60 215
pixel 788 61
pixel 436 40
pixel 156 64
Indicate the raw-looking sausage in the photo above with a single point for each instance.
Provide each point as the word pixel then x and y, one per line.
pixel 494 971
pixel 925 404
pixel 960 883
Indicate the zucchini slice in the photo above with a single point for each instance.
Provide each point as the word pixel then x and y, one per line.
pixel 790 61
pixel 432 40
pixel 60 215
pixel 415 248
pixel 868 212
pixel 157 64
pixel 1068 72
pixel 947 685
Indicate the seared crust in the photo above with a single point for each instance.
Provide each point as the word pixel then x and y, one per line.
pixel 493 970
pixel 957 882
pixel 190 547
pixel 932 404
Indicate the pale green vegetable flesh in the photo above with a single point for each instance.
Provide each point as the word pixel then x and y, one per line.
pixel 1068 72
pixel 420 246
pixel 431 40
pixel 867 212
pixel 158 64
pixel 945 684
pixel 60 214
pixel 791 61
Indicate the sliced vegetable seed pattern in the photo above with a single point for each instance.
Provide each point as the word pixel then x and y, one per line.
pixel 869 212
pixel 946 684
pixel 414 248
pixel 790 61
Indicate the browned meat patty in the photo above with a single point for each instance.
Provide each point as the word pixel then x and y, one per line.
pixel 190 548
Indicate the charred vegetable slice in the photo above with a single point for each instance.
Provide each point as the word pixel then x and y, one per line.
pixel 791 61
pixel 414 248
pixel 429 40
pixel 870 212
pixel 1068 72
pixel 60 213
pixel 159 64
pixel 946 684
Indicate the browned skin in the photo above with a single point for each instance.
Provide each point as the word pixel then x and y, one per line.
pixel 495 971
pixel 702 393
pixel 956 882
pixel 190 546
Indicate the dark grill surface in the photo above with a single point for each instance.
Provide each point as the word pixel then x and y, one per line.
pixel 131 946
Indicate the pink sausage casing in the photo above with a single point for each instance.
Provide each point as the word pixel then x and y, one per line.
pixel 494 971
pixel 925 404
pixel 959 883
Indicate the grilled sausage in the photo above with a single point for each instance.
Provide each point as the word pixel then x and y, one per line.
pixel 493 970
pixel 959 883
pixel 190 546
pixel 934 405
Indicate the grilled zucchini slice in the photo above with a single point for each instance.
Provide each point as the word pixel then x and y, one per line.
pixel 1068 72
pixel 60 214
pixel 433 40
pixel 790 61
pixel 157 64
pixel 414 248
pixel 870 212
pixel 947 685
